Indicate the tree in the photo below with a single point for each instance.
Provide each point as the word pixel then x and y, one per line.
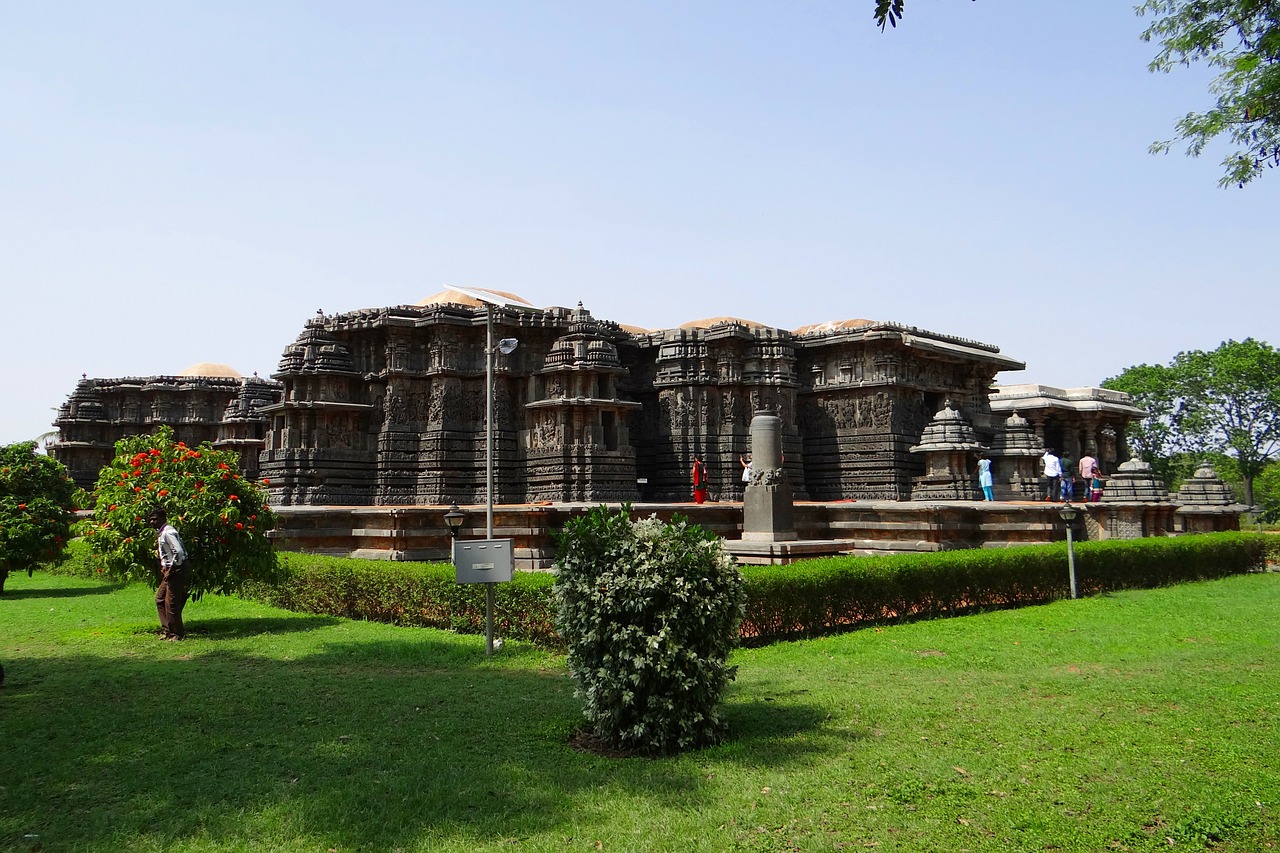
pixel 37 507
pixel 1230 402
pixel 1242 38
pixel 222 517
pixel 1225 401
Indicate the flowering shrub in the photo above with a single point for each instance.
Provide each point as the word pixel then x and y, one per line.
pixel 222 517
pixel 37 501
pixel 649 613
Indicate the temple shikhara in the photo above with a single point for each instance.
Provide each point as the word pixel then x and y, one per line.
pixel 386 407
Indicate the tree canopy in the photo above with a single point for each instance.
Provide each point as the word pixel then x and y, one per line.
pixel 1224 401
pixel 37 503
pixel 222 517
pixel 1242 39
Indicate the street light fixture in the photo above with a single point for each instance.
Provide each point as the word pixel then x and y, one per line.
pixel 453 519
pixel 1069 515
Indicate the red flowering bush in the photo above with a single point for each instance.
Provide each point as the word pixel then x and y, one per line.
pixel 37 504
pixel 222 518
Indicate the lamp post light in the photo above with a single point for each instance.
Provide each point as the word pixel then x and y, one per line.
pixel 484 569
pixel 1069 514
pixel 453 519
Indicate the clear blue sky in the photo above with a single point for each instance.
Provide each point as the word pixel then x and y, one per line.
pixel 185 182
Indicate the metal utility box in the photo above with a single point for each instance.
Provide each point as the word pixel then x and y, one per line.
pixel 483 560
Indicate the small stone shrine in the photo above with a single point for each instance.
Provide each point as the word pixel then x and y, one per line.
pixel 950 447
pixel 1015 454
pixel 1206 504
pixel 1134 481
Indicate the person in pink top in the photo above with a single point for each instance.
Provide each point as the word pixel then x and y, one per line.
pixel 1088 470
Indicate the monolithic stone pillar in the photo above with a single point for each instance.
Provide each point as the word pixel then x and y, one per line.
pixel 766 503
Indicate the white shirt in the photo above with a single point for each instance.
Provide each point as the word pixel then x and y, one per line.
pixel 1052 465
pixel 169 547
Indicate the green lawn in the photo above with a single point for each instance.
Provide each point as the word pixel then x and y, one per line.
pixel 1137 721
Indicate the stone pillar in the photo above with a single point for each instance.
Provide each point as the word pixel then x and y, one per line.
pixel 766 503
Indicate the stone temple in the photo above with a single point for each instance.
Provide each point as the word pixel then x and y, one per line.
pixel 375 421
pixel 386 407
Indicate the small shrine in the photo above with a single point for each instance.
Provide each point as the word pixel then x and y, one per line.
pixel 1206 504
pixel 1016 451
pixel 949 446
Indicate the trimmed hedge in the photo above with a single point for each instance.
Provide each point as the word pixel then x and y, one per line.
pixel 804 599
pixel 837 593
pixel 417 595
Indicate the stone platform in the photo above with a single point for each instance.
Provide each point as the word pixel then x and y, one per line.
pixel 822 528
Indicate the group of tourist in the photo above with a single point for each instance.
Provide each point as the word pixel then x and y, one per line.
pixel 1059 477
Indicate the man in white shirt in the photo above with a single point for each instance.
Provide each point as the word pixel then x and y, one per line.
pixel 1052 474
pixel 175 577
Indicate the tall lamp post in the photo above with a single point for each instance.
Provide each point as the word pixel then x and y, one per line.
pixel 1069 514
pixel 506 346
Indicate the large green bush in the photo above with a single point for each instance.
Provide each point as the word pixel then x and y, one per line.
pixel 37 504
pixel 222 517
pixel 649 612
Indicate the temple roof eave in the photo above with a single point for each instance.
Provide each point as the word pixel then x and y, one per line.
pixel 1022 402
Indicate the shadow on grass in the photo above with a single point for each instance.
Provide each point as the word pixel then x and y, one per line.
pixel 369 745
pixel 72 592
pixel 223 628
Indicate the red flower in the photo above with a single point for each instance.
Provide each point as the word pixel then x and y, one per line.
pixel 233 497
pixel 111 508
pixel 224 466
pixel 266 482
pixel 137 488
pixel 164 492
pixel 22 506
pixel 239 525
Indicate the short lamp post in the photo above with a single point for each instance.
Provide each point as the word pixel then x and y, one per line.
pixel 1069 514
pixel 453 519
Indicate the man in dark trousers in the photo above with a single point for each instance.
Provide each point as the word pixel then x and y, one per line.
pixel 175 577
